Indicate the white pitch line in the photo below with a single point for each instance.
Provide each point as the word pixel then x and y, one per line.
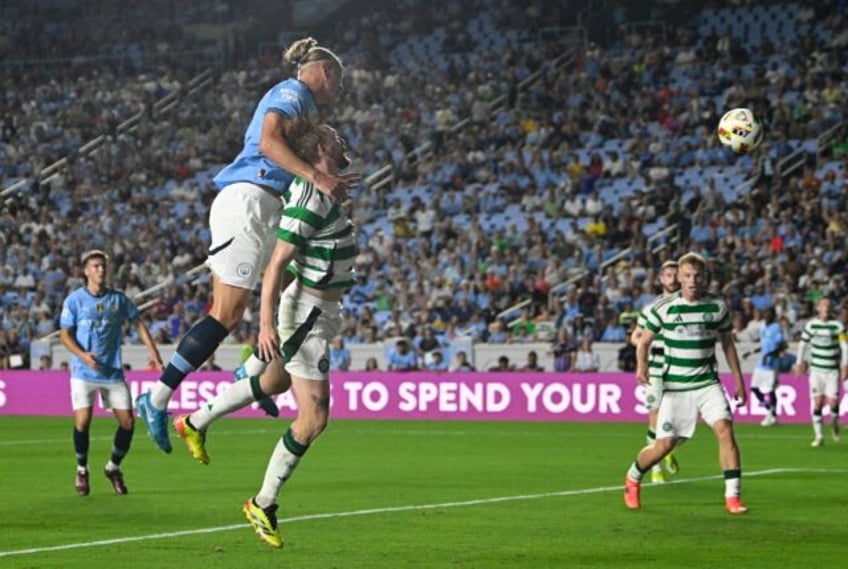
pixel 395 509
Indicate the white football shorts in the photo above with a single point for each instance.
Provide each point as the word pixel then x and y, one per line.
pixel 115 394
pixel 653 393
pixel 307 325
pixel 243 221
pixel 764 379
pixel 679 411
pixel 824 382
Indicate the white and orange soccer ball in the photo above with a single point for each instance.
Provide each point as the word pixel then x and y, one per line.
pixel 740 131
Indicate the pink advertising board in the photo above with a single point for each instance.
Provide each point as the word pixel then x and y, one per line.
pixel 512 396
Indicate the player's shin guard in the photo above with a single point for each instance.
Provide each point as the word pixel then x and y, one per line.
pixel 199 343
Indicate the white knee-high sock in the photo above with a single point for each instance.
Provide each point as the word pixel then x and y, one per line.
pixel 284 460
pixel 238 395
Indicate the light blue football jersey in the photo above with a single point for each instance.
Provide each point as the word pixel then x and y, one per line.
pixel 97 322
pixel 770 341
pixel 291 98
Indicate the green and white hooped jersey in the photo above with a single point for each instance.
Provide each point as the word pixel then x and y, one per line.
pixel 690 331
pixel 827 341
pixel 656 355
pixel 323 235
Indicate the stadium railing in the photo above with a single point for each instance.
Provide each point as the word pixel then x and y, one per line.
pixel 160 107
pixel 797 159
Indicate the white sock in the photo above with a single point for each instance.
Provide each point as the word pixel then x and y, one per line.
pixel 279 470
pixel 634 473
pixel 160 396
pixel 254 366
pixel 111 466
pixel 817 425
pixel 732 487
pixel 238 395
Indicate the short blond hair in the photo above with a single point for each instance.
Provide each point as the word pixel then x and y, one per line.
pixel 693 259
pixel 94 254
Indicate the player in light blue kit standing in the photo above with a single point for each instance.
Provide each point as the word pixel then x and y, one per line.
pixel 92 325
pixel 764 378
pixel 244 215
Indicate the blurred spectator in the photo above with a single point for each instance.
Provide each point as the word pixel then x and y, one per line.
pixel 564 349
pixel 402 358
pixel 435 361
pixel 532 363
pixel 586 359
pixel 45 362
pixel 371 364
pixel 461 363
pixel 503 365
pixel 627 355
pixel 339 355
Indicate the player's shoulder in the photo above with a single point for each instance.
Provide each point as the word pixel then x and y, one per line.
pixel 304 195
pixel 289 91
pixel 664 302
pixel 75 296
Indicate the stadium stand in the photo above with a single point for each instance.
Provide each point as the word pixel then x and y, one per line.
pixel 512 172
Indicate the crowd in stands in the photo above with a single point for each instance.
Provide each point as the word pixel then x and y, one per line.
pixel 555 198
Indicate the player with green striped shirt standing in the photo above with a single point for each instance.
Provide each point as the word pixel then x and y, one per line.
pixel 828 365
pixel 654 389
pixel 691 322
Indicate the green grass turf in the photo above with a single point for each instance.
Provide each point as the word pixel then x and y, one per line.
pixel 421 494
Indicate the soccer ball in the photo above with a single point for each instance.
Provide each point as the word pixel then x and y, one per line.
pixel 740 131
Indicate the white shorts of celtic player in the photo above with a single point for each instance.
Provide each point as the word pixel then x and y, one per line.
pixel 312 358
pixel 243 222
pixel 653 394
pixel 679 411
pixel 824 382
pixel 115 394
pixel 764 379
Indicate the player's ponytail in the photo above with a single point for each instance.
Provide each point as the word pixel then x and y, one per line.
pixel 307 50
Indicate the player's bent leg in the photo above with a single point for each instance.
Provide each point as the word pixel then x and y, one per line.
pixel 265 402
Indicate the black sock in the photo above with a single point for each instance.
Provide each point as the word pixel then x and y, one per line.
pixel 197 345
pixel 760 397
pixel 771 402
pixel 81 447
pixel 123 438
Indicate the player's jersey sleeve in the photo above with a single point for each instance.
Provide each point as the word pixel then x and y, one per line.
pixel 68 318
pixel 640 320
pixel 807 332
pixel 129 308
pixel 653 322
pixel 302 216
pixel 286 99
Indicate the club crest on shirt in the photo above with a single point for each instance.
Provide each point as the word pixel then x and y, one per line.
pixel 323 365
pixel 100 308
pixel 244 270
pixel 667 427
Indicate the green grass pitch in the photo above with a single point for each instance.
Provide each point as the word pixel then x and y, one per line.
pixel 421 495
